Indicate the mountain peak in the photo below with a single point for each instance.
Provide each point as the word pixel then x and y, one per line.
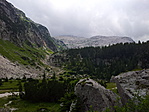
pixel 95 41
pixel 19 29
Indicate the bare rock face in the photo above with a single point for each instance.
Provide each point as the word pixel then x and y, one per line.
pixel 17 28
pixel 9 69
pixel 94 96
pixel 95 41
pixel 132 83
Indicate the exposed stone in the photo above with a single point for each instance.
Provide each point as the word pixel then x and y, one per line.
pixel 132 83
pixel 94 96
pixel 9 69
pixel 79 42
pixel 19 29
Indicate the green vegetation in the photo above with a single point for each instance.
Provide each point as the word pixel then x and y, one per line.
pixel 26 106
pixel 50 90
pixel 39 95
pixel 104 62
pixel 3 101
pixel 137 104
pixel 24 55
pixel 10 85
pixel 112 87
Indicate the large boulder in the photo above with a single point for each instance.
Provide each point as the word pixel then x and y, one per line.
pixel 95 97
pixel 132 83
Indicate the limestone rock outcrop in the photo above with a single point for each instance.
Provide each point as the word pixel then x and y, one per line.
pixel 12 70
pixel 132 83
pixel 94 96
pixel 95 41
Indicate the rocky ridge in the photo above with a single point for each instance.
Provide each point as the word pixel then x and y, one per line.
pixel 95 41
pixel 19 29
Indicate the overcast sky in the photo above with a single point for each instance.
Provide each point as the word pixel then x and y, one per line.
pixel 88 18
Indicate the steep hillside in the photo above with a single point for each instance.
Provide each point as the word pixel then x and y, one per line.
pixel 24 44
pixel 17 28
pixel 103 62
pixel 95 41
pixel 13 70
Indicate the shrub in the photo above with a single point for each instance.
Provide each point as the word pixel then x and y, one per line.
pixel 137 104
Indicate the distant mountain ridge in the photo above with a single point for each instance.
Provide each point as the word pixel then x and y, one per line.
pixel 19 29
pixel 95 41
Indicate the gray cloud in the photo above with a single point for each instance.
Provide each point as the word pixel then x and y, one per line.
pixel 90 17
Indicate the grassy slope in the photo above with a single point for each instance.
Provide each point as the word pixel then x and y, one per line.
pixel 24 55
pixel 9 85
pixel 3 101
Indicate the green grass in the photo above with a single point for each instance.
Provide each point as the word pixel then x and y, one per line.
pixel 3 101
pixel 24 55
pixel 23 105
pixel 111 86
pixel 49 51
pixel 10 85
pixel 26 106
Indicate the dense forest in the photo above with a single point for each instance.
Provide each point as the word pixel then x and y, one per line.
pixel 103 62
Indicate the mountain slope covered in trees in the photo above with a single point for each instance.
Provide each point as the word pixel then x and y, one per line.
pixel 103 62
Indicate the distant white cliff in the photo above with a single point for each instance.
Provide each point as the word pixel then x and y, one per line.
pixel 95 41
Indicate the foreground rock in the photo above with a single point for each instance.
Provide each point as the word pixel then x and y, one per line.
pixel 132 83
pixel 95 97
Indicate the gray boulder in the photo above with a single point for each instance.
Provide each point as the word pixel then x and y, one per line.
pixel 132 83
pixel 95 97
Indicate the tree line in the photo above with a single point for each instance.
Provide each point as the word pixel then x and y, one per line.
pixel 103 62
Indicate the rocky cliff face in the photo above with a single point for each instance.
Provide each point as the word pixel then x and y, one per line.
pixel 17 28
pixel 132 83
pixel 94 96
pixel 95 41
